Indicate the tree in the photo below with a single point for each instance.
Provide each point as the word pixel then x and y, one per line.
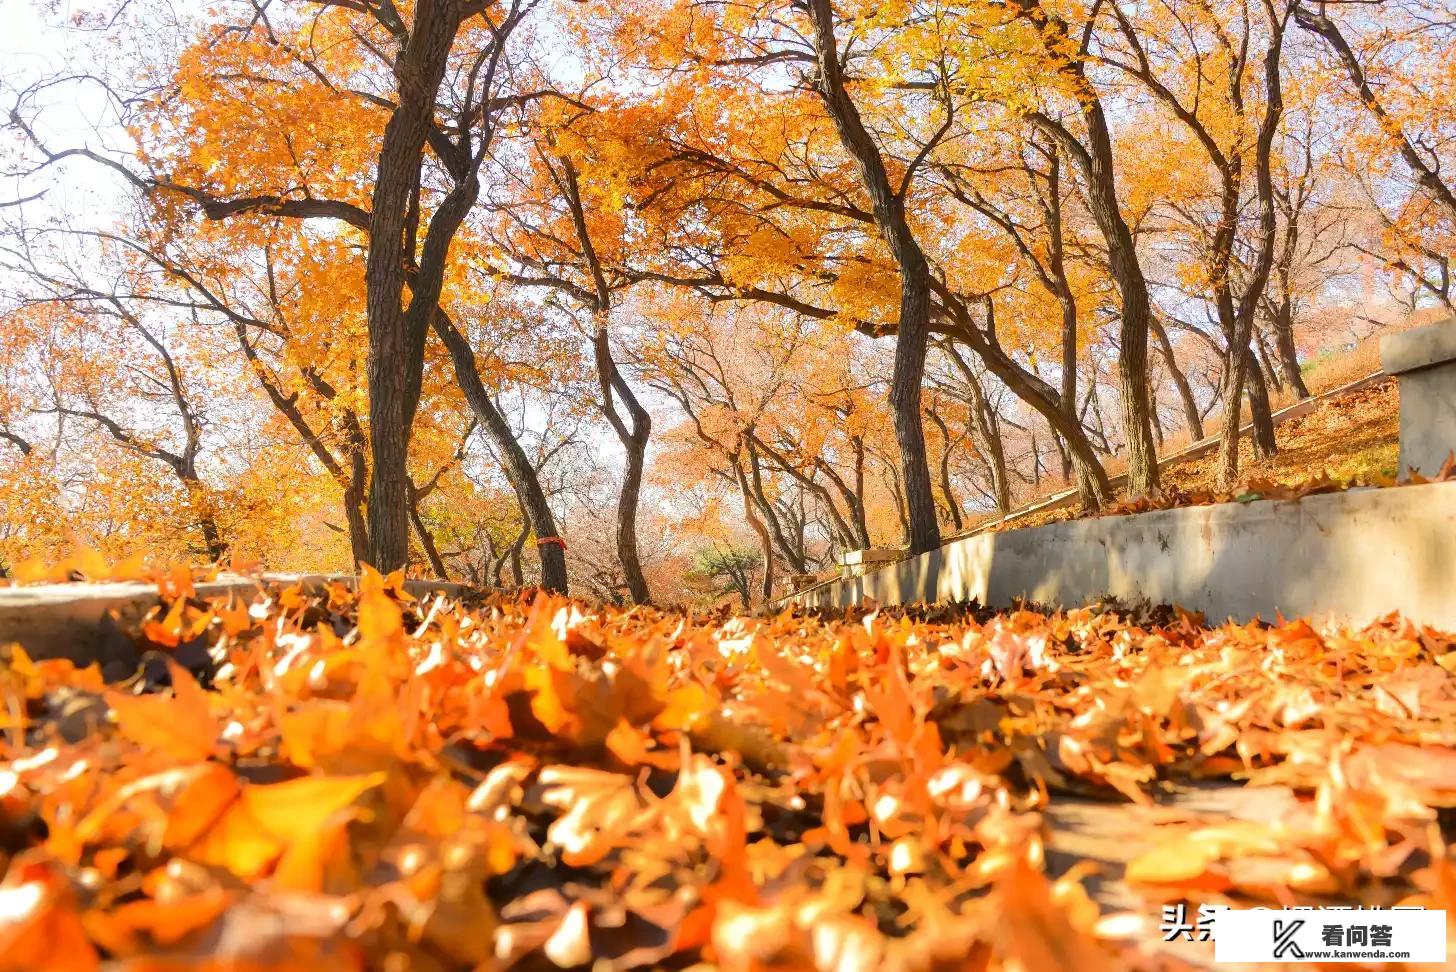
pixel 1094 157
pixel 1220 127
pixel 728 570
pixel 563 232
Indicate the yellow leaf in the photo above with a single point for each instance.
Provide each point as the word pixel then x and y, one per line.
pixel 180 725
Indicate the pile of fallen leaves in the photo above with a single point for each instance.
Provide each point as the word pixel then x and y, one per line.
pixel 322 779
pixel 1297 487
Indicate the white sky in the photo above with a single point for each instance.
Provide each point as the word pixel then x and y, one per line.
pixel 38 42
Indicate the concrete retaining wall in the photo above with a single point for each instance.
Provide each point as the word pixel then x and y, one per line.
pixel 83 622
pixel 1357 555
pixel 1425 362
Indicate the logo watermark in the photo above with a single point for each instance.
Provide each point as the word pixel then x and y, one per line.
pixel 1413 935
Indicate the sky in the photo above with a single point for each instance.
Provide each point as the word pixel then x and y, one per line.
pixel 38 42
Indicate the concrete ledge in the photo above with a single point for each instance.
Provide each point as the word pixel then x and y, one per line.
pixel 85 622
pixel 869 555
pixel 1356 555
pixel 1421 348
pixel 852 563
pixel 1424 362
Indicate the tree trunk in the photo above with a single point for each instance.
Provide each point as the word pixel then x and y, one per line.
pixel 634 443
pixel 1283 327
pixel 913 333
pixel 518 468
pixel 426 538
pixel 354 497
pixel 1069 362
pixel 898 496
pixel 1258 277
pixel 1231 390
pixel 1261 417
pixel 951 506
pixel 1096 162
pixel 1153 410
pixel 1191 414
pixel 861 521
pixel 765 542
pixel 987 433
pixel 358 528
pixel 518 575
pixel 1266 363
pixel 394 335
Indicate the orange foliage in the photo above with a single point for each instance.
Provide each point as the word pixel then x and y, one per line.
pixel 370 780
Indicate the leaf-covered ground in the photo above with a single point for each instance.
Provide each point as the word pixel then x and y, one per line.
pixel 323 780
pixel 1348 441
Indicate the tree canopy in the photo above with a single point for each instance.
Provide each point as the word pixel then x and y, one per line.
pixel 603 296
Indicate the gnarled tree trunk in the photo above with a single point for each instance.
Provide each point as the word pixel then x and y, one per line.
pixel 913 332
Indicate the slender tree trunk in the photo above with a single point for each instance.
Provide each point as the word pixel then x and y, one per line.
pixel 355 495
pixel 358 528
pixel 986 432
pixel 1258 278
pixel 634 444
pixel 1283 327
pixel 1191 415
pixel 1231 391
pixel 614 385
pixel 1096 161
pixel 1101 427
pixel 861 521
pixel 1153 409
pixel 951 506
pixel 1069 364
pixel 765 542
pixel 518 573
pixel 492 563
pixel 897 494
pixel 518 468
pixel 426 538
pixel 913 333
pixel 1266 362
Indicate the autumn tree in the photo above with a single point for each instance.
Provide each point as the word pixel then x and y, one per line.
pixel 1391 64
pixel 1237 134
pixel 561 228
pixel 415 105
